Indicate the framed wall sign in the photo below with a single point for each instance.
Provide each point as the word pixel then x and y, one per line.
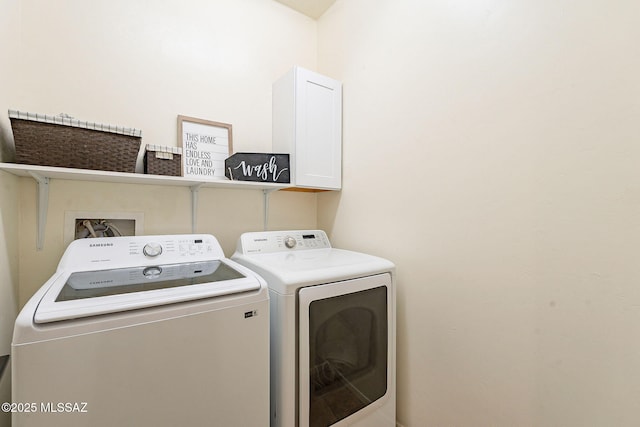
pixel 205 146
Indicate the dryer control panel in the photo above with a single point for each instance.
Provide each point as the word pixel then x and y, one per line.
pixel 282 241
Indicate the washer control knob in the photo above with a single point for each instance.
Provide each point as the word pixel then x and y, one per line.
pixel 152 272
pixel 290 242
pixel 152 249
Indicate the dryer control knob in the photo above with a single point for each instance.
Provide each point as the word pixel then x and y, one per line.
pixel 152 249
pixel 290 242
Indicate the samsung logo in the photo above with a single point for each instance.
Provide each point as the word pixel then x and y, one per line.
pixel 101 282
pixel 95 245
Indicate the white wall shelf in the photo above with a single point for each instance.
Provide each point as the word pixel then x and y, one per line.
pixel 43 175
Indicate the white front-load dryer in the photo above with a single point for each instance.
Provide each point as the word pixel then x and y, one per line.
pixel 143 331
pixel 333 320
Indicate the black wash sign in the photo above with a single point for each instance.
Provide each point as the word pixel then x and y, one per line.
pixel 258 167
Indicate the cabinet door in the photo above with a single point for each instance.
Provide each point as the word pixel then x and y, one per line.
pixel 318 131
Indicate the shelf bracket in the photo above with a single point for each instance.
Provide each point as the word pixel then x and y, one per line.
pixel 42 206
pixel 265 203
pixel 194 205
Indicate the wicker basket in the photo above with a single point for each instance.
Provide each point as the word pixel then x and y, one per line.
pixel 65 142
pixel 162 160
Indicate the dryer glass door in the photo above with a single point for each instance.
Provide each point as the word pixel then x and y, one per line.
pixel 344 348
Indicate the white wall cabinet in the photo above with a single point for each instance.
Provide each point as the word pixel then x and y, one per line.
pixel 307 124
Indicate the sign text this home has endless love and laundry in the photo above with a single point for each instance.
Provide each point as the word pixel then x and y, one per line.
pixel 205 149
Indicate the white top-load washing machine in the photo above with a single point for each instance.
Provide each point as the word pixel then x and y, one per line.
pixel 144 331
pixel 332 330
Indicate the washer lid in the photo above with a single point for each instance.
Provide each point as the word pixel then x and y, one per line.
pixel 89 293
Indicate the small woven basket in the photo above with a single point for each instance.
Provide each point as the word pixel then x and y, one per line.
pixel 160 160
pixel 66 142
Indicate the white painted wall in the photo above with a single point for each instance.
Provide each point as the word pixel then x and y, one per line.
pixel 8 200
pixel 8 277
pixel 491 150
pixel 141 64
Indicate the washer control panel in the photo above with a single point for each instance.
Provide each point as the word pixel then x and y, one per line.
pixel 106 252
pixel 188 246
pixel 282 241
